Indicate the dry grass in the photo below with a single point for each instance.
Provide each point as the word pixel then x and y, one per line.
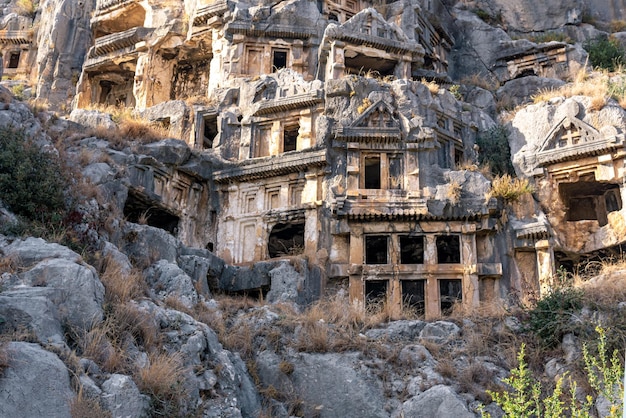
pixel 474 379
pixel 162 379
pixel 454 192
pixel 129 128
pixel 120 287
pixel 433 87
pixel 240 338
pixel 365 104
pixel 286 367
pixel 4 358
pixel 106 342
pixel 617 26
pixel 599 86
pixel 9 264
pixel 83 407
pixel 484 82
pixel 510 189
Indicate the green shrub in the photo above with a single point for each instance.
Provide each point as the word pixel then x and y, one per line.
pixel 494 150
pixel 524 396
pixel 604 52
pixel 551 318
pixel 31 180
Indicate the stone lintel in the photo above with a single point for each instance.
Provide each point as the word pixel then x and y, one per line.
pixel 271 166
pixel 277 31
pixel 296 101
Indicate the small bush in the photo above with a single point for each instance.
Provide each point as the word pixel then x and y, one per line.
pixel 550 37
pixel 524 396
pixel 617 26
pixel 162 379
pixel 31 184
pixel 494 150
pixel 27 8
pixel 605 52
pixel 509 189
pixel 433 87
pixel 550 319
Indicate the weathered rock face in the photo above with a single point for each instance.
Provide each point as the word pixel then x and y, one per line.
pixel 72 286
pixel 63 38
pixel 35 383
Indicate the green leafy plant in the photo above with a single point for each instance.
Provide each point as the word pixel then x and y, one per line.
pixel 604 374
pixel 494 150
pixel 31 184
pixel 524 396
pixel 605 52
pixel 550 319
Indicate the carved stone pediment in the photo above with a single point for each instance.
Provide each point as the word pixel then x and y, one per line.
pixel 573 138
pixel 368 27
pixel 377 123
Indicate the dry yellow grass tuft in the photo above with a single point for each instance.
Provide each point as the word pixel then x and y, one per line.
pixel 599 86
pixel 4 358
pixel 365 104
pixel 83 407
pixel 163 377
pixel 433 87
pixel 120 286
pixel 510 189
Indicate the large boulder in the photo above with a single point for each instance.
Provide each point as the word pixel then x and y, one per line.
pixel 35 384
pixel 440 332
pixel 168 280
pixel 334 385
pixel 82 296
pixel 439 401
pixel 144 244
pixel 169 151
pixel 33 250
pixel 397 331
pixel 121 397
pixel 31 309
pixel 93 119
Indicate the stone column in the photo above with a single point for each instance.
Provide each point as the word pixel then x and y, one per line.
pixel 545 265
pixel 431 291
pixel 471 289
pixel 336 61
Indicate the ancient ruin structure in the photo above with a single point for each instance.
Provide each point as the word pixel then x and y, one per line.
pixel 580 172
pixel 324 144
pixel 16 47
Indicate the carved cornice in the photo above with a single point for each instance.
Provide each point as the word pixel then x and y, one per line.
pixel 116 41
pixel 276 31
pixel 363 134
pixel 536 230
pixel 104 5
pixel 401 208
pixel 276 165
pixel 574 152
pixel 16 37
pixel 385 44
pixel 204 13
pixel 297 101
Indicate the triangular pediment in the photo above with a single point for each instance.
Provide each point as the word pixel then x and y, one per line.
pixel 378 115
pixel 572 139
pixel 371 23
pixel 376 124
pixel 569 132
